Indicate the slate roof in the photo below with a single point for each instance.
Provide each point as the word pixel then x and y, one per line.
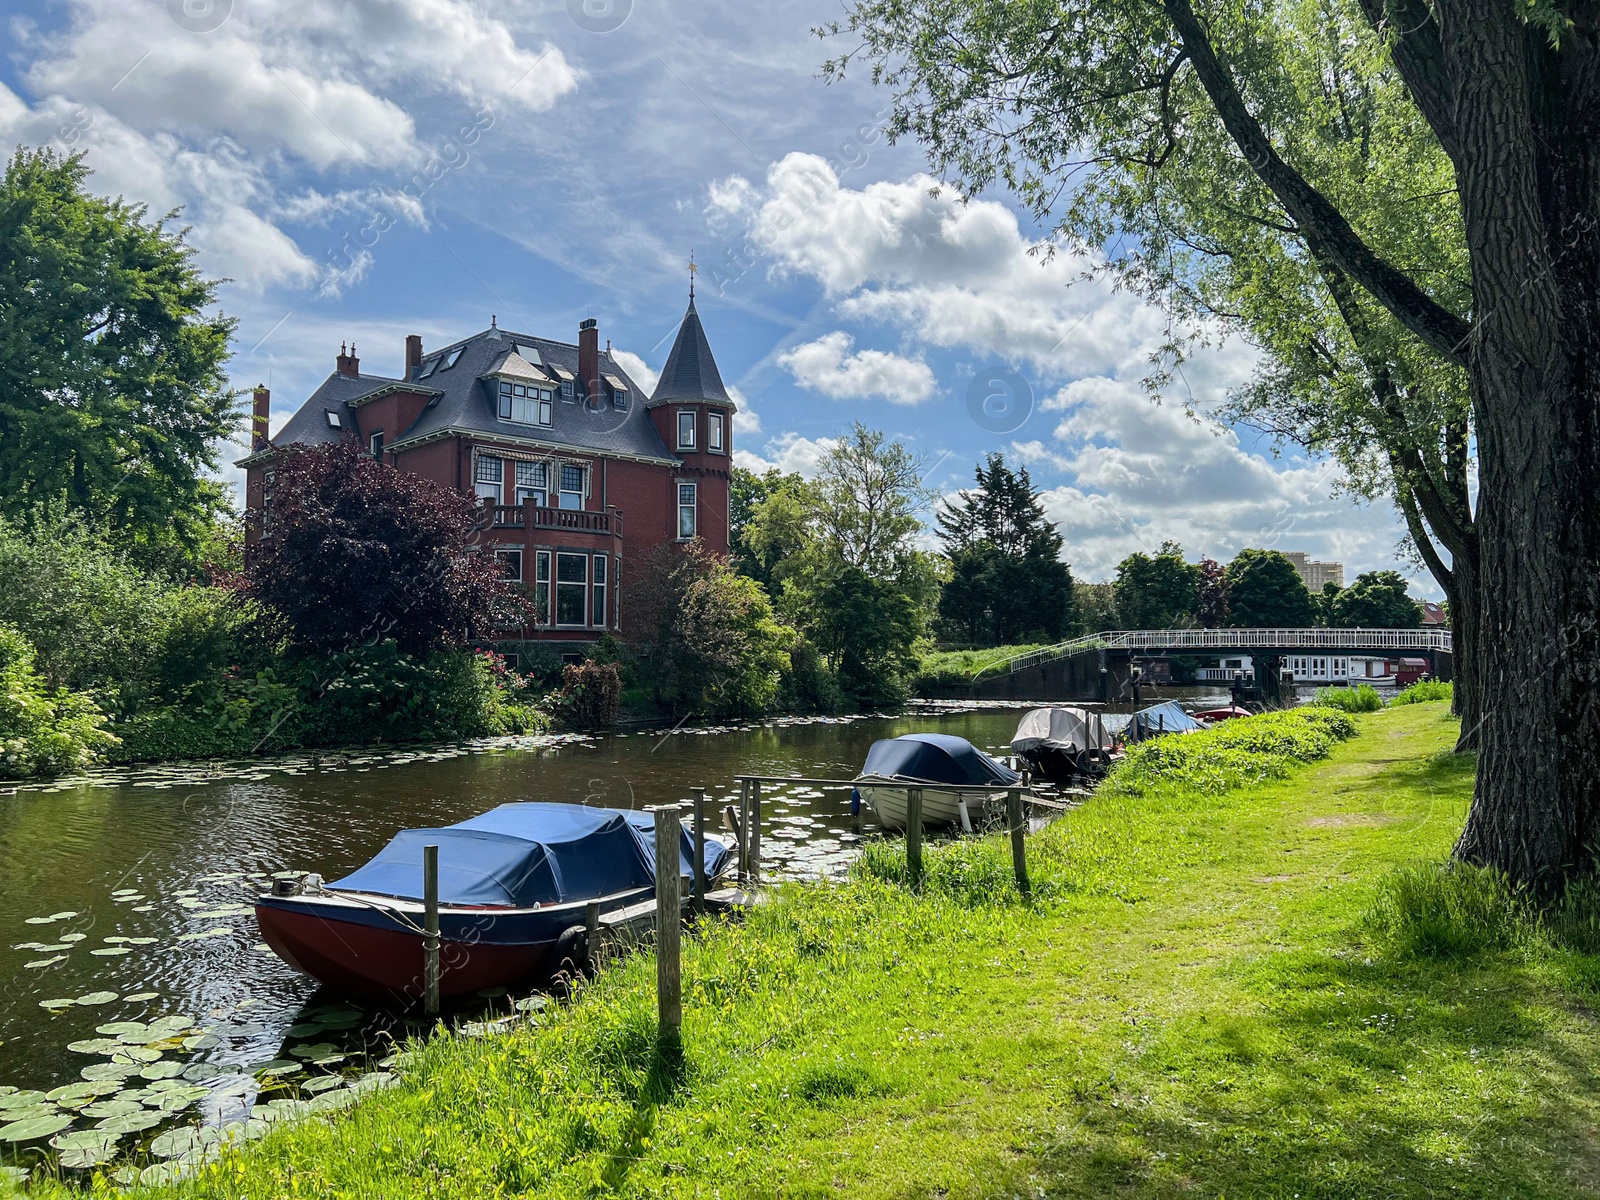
pixel 309 426
pixel 691 371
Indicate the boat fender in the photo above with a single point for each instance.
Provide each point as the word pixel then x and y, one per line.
pixel 855 802
pixel 572 950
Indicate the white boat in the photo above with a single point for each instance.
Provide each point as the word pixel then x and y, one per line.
pixel 927 760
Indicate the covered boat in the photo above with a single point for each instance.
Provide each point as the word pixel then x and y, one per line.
pixel 513 886
pixel 1231 713
pixel 1158 719
pixel 1062 743
pixel 931 759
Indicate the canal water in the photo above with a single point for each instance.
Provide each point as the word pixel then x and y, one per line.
pixel 135 990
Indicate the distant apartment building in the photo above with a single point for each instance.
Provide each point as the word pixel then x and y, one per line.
pixel 1315 573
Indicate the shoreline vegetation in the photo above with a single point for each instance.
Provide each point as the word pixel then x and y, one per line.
pixel 1226 983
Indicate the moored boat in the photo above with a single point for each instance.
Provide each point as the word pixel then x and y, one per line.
pixel 1230 713
pixel 514 884
pixel 1158 719
pixel 927 760
pixel 1063 743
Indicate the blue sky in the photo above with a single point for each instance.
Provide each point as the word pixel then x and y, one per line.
pixel 374 168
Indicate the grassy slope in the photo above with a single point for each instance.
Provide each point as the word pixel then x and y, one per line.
pixel 1197 1016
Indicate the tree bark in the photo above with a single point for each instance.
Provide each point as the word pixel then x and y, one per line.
pixel 1524 142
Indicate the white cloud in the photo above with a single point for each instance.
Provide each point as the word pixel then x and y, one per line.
pixel 789 452
pixel 952 274
pixel 638 370
pixel 745 418
pixel 828 366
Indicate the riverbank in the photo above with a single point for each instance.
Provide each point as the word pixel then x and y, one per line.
pixel 1198 1010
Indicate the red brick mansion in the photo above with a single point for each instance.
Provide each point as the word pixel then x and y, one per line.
pixel 577 468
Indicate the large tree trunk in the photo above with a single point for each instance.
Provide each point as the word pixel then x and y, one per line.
pixel 1524 143
pixel 1465 613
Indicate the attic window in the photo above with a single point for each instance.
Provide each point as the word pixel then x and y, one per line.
pixel 429 368
pixel 333 421
pixel 529 354
pixel 453 357
pixel 619 393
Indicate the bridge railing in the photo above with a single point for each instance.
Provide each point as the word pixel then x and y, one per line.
pixel 1178 640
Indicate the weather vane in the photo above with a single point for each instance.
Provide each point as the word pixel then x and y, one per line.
pixel 693 271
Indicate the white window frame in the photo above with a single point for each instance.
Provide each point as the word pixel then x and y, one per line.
pixel 716 425
pixel 692 508
pixel 511 558
pixel 582 585
pixel 541 579
pixel 562 492
pixel 375 445
pixel 485 489
pixel 693 431
pixel 599 573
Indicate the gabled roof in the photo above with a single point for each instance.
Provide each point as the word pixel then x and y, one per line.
pixel 691 371
pixel 514 366
pixel 338 394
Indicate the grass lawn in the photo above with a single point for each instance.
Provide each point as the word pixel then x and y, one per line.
pixel 1193 1009
pixel 959 666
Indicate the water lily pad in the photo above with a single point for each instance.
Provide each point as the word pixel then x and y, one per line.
pixel 531 1003
pixel 95 1046
pixel 330 1101
pixel 73 937
pixel 110 951
pixel 33 1128
pixel 110 1070
pixel 141 997
pixel 221 931
pixel 84 1090
pixel 16 1099
pixel 177 1142
pixel 17 1175
pixel 131 1122
pixel 117 1028
pixel 59 1004
pixel 92 999
pixel 141 941
pixel 29 1113
pixel 113 1107
pixel 162 1070
pixel 143 1055
pixel 305 1029
pixel 41 963
pixel 322 1083
pixel 202 1070
pixel 52 947
pixel 144 908
pixel 170 1102
pixel 313 1051
pixel 201 1041
pixel 126 892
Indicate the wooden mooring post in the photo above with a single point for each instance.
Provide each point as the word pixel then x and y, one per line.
pixel 752 837
pixel 1018 825
pixel 669 924
pixel 914 835
pixel 699 850
pixel 430 928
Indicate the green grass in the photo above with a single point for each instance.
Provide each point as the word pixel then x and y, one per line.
pixel 1363 697
pixel 1424 693
pixel 1211 997
pixel 959 666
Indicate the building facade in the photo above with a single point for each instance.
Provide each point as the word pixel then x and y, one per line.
pixel 577 471
pixel 1315 573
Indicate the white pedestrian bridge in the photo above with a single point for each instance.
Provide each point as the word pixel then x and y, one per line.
pixel 1124 643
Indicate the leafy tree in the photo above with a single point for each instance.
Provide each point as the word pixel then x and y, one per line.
pixel 1266 592
pixel 1211 595
pixel 1157 592
pixel 1376 600
pixel 354 552
pixel 1488 98
pixel 43 730
pixel 851 578
pixel 709 642
pixel 1097 606
pixel 113 398
pixel 1324 601
pixel 1007 582
pixel 766 513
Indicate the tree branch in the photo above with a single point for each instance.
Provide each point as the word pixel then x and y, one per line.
pixel 1322 225
pixel 1418 55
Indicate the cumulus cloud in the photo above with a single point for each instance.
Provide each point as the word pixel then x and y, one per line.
pixel 787 452
pixel 829 366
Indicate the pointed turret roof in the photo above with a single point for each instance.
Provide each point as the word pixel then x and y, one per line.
pixel 691 372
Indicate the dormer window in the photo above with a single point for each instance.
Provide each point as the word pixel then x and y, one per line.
pixel 529 354
pixel 619 399
pixel 333 421
pixel 525 403
pixel 453 357
pixel 686 429
pixel 428 368
pixel 569 391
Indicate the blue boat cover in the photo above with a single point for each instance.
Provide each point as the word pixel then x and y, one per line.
pixel 523 854
pixel 1165 717
pixel 936 757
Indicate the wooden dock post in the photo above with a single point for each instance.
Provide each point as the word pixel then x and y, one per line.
pixel 914 835
pixel 699 850
pixel 591 931
pixel 430 926
pixel 669 923
pixel 753 836
pixel 744 830
pixel 1019 828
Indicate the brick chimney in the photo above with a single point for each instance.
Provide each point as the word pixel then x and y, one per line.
pixel 347 363
pixel 261 410
pixel 413 354
pixel 589 357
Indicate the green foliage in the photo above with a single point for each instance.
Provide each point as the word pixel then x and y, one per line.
pixel 113 395
pixel 1363 697
pixel 1447 912
pixel 761 534
pixel 1007 581
pixel 943 668
pixel 1211 595
pixel 1162 592
pixel 709 642
pixel 1424 693
pixel 43 730
pixel 1230 755
pixel 1097 606
pixel 808 686
pixel 1376 600
pixel 1266 592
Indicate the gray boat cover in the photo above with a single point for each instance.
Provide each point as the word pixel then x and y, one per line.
pixel 1165 717
pixel 1071 729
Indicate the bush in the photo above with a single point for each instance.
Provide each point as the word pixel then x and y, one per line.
pixel 43 730
pixel 1446 912
pixel 1362 698
pixel 590 696
pixel 1424 693
pixel 1232 754
pixel 808 685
